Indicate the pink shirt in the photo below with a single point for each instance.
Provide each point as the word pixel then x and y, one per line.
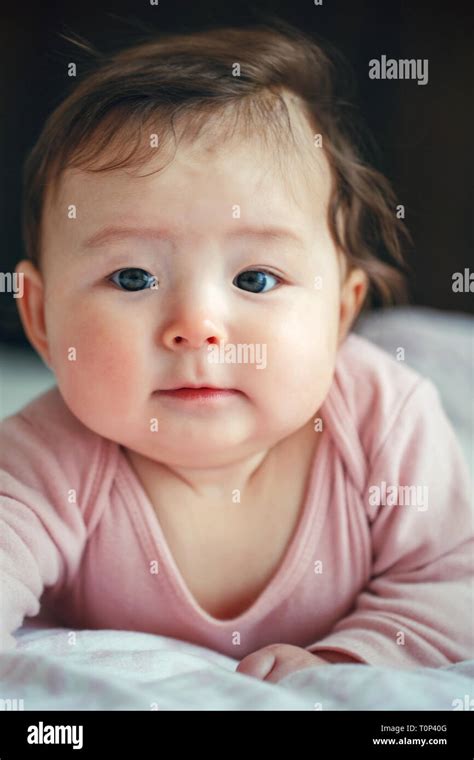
pixel 389 585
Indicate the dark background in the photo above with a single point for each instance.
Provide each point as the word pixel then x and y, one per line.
pixel 423 133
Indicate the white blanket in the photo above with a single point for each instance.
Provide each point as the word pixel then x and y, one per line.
pixel 125 670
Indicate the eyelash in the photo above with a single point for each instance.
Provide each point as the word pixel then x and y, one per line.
pixel 153 279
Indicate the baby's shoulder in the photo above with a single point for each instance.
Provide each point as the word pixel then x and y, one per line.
pixel 44 441
pixel 48 417
pixel 373 388
pixel 363 365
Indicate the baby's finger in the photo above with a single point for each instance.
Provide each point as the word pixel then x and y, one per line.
pixel 285 665
pixel 282 668
pixel 258 664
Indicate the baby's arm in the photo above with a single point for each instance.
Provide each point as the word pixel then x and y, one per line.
pixel 418 608
pixel 42 533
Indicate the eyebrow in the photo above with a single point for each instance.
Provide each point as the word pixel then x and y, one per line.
pixel 116 234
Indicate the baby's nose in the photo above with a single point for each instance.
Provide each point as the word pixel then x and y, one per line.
pixel 193 335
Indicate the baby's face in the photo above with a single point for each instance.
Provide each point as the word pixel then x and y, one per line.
pixel 197 227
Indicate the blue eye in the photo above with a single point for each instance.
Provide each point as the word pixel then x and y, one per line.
pixel 133 279
pixel 253 280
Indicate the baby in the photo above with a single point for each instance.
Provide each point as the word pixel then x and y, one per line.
pixel 223 460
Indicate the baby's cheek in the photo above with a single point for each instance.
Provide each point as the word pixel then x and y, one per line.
pixel 98 369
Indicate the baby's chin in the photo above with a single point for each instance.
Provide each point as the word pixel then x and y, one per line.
pixel 203 457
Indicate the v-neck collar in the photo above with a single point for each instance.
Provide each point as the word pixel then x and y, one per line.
pixel 308 528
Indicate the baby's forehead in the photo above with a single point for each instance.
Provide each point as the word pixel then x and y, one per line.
pixel 223 174
pixel 228 173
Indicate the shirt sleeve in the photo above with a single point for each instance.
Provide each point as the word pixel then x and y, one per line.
pixel 42 531
pixel 418 607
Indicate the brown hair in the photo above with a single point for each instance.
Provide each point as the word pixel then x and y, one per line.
pixel 190 76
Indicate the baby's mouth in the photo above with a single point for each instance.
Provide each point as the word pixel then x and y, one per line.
pixel 201 394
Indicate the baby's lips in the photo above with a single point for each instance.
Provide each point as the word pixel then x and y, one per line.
pixel 189 384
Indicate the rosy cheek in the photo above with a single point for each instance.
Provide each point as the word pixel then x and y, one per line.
pixel 99 363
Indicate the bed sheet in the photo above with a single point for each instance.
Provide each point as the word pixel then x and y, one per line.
pixel 60 669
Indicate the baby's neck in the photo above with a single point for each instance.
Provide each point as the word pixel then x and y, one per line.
pixel 207 485
pixel 211 487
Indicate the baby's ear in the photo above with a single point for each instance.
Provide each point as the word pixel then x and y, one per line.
pixel 353 293
pixel 31 307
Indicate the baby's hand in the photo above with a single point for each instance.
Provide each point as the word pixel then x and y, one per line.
pixel 274 662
